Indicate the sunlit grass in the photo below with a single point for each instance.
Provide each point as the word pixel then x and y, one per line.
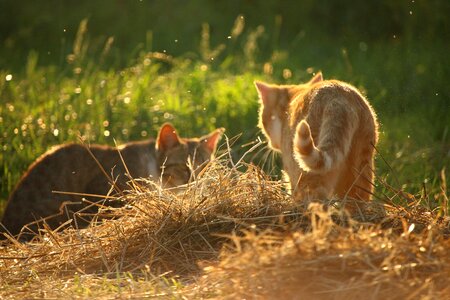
pixel 230 224
pixel 213 87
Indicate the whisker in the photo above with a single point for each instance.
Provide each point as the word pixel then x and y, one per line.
pixel 256 155
pixel 273 160
pixel 266 158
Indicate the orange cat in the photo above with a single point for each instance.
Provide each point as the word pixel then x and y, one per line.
pixel 71 168
pixel 326 132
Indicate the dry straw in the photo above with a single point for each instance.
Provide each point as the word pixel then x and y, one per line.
pixel 234 233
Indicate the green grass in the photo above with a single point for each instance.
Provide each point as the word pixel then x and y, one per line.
pixel 99 90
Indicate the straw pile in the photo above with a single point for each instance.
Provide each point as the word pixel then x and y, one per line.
pixel 234 233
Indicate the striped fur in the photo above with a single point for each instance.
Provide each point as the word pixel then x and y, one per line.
pixel 71 168
pixel 326 133
pixel 309 157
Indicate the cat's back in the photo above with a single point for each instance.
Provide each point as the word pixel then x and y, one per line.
pixel 315 97
pixel 341 92
pixel 334 90
pixel 72 168
pixel 58 169
pixel 49 166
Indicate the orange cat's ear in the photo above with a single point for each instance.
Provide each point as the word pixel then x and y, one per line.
pixel 264 91
pixel 167 138
pixel 317 78
pixel 211 140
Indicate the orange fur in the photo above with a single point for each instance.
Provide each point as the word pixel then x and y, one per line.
pixel 326 132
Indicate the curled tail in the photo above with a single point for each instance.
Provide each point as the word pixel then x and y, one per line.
pixel 309 156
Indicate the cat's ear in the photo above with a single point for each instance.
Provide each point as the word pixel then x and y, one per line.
pixel 317 78
pixel 211 140
pixel 264 91
pixel 167 138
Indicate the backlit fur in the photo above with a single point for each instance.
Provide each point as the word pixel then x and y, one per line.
pixel 326 132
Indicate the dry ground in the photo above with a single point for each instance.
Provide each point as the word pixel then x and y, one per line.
pixel 235 234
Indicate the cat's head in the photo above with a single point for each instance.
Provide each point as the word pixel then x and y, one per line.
pixel 274 109
pixel 180 159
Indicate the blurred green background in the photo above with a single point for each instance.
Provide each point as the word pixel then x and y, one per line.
pixel 119 69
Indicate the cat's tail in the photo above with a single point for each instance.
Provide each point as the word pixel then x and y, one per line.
pixel 308 155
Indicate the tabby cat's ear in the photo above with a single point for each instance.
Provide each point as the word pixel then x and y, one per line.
pixel 167 138
pixel 317 78
pixel 264 91
pixel 211 140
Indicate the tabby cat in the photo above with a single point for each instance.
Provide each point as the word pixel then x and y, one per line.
pixel 72 168
pixel 326 132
